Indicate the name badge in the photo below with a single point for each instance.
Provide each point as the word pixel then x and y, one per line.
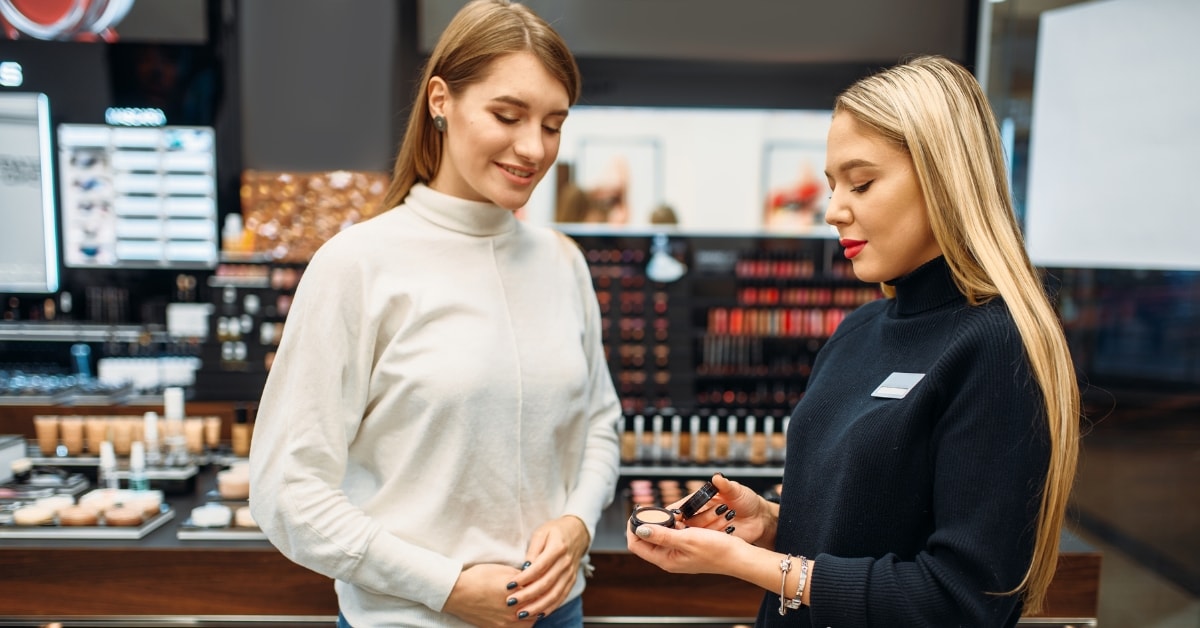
pixel 897 385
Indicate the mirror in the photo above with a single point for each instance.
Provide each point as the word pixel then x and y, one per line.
pixel 696 170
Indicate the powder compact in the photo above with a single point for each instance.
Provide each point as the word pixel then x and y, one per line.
pixel 651 515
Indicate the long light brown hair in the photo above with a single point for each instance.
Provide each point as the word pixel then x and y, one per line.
pixel 935 110
pixel 481 31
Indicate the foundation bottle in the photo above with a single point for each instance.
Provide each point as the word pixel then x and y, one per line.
pixel 241 432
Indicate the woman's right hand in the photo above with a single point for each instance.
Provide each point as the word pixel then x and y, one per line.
pixel 754 518
pixel 479 596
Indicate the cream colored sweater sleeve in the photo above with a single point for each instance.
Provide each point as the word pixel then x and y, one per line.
pixel 311 407
pixel 600 468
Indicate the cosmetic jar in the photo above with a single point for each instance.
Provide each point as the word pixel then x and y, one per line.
pixel 124 516
pixel 212 515
pixel 78 516
pixel 33 516
pixel 697 501
pixel 243 519
pixel 651 515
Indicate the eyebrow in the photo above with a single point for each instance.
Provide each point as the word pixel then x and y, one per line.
pixel 852 164
pixel 517 102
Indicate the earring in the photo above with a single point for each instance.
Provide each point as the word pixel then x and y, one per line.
pixel 439 123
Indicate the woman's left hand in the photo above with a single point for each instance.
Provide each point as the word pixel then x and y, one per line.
pixel 553 559
pixel 685 550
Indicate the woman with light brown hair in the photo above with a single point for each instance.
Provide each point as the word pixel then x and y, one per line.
pixel 931 458
pixel 438 431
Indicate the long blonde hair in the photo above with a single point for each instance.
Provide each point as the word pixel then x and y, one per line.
pixel 481 31
pixel 935 109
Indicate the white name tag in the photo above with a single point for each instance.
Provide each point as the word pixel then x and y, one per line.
pixel 897 385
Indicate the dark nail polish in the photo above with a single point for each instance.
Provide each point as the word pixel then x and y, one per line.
pixel 512 601
pixel 729 530
pixel 730 515
pixel 676 511
pixel 522 614
pixel 541 616
pixel 721 509
pixel 512 585
pixel 526 565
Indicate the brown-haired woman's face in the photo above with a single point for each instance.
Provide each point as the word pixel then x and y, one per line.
pixel 502 133
pixel 876 206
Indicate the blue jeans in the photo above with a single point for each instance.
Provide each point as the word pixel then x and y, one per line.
pixel 569 615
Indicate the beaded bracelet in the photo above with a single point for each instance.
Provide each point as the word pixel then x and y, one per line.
pixel 798 600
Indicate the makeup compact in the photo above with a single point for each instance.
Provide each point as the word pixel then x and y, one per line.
pixel 697 501
pixel 651 515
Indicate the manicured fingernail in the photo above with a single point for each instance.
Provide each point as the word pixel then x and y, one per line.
pixel 526 565
pixel 729 530
pixel 512 585
pixel 643 532
pixel 541 616
pixel 730 515
pixel 676 511
pixel 721 509
pixel 720 474
pixel 512 601
pixel 522 614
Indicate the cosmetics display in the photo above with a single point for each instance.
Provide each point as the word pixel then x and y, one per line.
pixel 637 320
pixel 250 305
pixel 735 327
pixel 103 513
pixel 225 514
pixel 663 443
pixel 288 215
pixel 138 197
pixel 152 450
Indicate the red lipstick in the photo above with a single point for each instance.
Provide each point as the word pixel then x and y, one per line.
pixel 853 247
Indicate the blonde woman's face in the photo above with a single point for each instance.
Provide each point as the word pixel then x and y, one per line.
pixel 876 204
pixel 502 133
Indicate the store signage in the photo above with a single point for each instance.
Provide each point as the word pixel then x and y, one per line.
pixel 135 116
pixel 11 74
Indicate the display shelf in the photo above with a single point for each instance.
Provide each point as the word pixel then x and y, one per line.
pixel 185 472
pixel 76 332
pixel 732 470
pixel 215 281
pixel 99 533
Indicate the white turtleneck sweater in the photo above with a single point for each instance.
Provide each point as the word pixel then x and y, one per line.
pixel 440 391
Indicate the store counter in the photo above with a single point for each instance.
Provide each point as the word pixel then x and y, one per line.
pixel 161 580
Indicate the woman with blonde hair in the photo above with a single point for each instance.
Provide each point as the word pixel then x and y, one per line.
pixel 437 433
pixel 930 460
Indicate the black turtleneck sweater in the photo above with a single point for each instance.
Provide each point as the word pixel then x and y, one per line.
pixel 916 510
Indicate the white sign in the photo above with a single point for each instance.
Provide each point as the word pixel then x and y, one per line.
pixel 11 74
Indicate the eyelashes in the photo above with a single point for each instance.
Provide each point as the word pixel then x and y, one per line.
pixel 855 188
pixel 511 121
pixel 863 187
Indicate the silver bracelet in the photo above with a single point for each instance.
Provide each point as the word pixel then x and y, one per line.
pixel 785 565
pixel 798 600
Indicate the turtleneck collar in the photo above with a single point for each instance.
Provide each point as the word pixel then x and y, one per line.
pixel 929 286
pixel 456 214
